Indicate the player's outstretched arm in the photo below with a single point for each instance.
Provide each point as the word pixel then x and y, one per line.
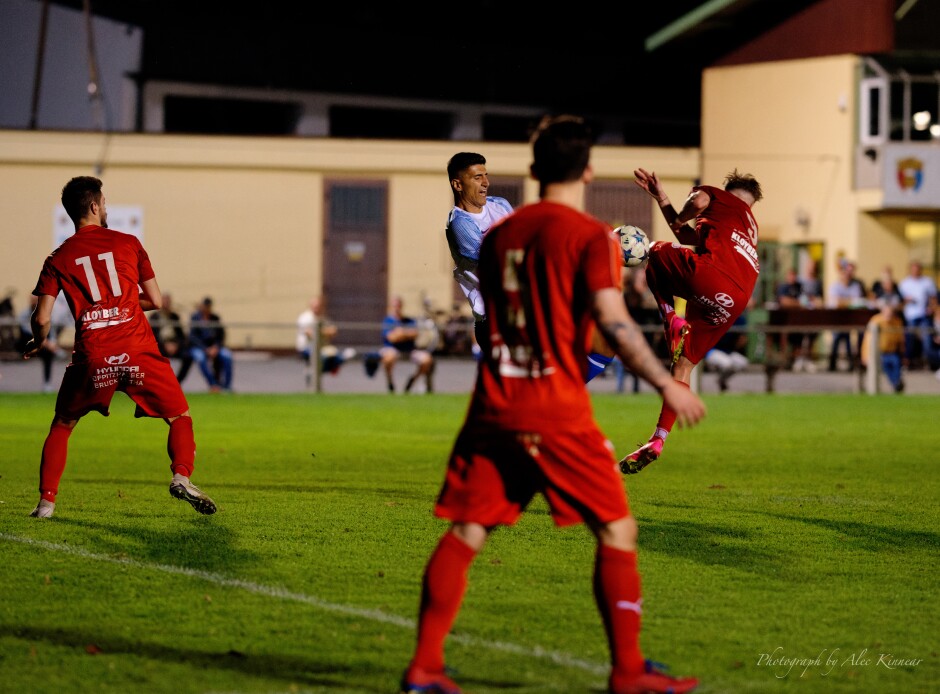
pixel 627 340
pixel 648 181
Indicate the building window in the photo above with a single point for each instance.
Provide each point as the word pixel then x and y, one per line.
pixel 188 114
pixel 390 124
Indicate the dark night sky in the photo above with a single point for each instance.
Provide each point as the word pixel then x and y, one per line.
pixel 590 59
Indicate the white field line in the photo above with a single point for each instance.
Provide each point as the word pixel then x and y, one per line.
pixel 556 657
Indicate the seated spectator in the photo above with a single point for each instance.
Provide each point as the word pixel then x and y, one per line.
pixel 167 328
pixel 207 347
pixel 458 332
pixel 728 357
pixel 312 326
pixel 890 341
pixel 791 295
pixel 50 347
pixel 399 333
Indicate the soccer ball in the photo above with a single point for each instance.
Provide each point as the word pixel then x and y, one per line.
pixel 634 244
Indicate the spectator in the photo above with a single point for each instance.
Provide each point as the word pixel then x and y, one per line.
pixel 9 339
pixel 886 286
pixel 399 333
pixel 933 341
pixel 313 327
pixel 49 349
pixel 791 295
pixel 207 347
pixel 729 356
pixel 458 333
pixel 812 288
pixel 890 341
pixel 919 294
pixel 168 330
pixel 846 291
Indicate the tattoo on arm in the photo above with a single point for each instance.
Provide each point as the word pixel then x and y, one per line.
pixel 628 341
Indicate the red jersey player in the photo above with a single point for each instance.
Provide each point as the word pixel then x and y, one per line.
pixel 109 283
pixel 548 274
pixel 716 278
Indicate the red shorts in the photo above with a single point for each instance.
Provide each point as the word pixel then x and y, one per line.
pixel 146 377
pixel 492 476
pixel 713 300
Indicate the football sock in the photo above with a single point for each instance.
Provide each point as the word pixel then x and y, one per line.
pixel 596 365
pixel 445 580
pixel 617 592
pixel 667 418
pixel 181 446
pixel 54 455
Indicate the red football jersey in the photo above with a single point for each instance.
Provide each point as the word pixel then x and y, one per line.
pixel 728 233
pixel 538 268
pixel 99 270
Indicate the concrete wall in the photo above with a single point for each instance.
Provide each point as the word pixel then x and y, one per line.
pixel 242 219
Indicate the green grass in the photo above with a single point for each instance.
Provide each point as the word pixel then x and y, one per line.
pixel 798 526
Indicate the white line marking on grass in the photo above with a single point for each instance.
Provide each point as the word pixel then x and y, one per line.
pixel 556 657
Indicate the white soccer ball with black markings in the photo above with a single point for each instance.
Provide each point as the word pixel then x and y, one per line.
pixel 634 244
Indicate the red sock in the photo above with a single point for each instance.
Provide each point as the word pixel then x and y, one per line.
pixel 617 592
pixel 181 446
pixel 667 417
pixel 445 580
pixel 55 452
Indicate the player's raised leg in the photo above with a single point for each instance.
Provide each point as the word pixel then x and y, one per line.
pixel 599 358
pixel 652 449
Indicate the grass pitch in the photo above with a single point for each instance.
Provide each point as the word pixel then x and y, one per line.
pixel 789 543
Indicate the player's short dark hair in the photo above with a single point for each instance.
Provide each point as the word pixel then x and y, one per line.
pixel 746 182
pixel 78 194
pixel 561 149
pixel 462 161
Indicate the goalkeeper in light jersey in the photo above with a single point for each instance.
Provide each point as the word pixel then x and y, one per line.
pixel 475 213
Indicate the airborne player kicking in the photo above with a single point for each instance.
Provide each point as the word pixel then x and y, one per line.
pixel 716 277
pixel 102 273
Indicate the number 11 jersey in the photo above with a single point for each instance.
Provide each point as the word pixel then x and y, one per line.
pixel 100 271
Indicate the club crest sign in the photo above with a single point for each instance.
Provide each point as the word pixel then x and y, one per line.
pixel 910 176
pixel 910 172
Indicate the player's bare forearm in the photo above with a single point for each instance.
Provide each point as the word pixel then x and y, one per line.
pixel 40 323
pixel 627 340
pixel 678 221
pixel 150 297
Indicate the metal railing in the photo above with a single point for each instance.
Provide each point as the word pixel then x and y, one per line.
pixel 768 349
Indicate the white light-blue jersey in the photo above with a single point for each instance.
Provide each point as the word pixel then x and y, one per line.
pixel 465 231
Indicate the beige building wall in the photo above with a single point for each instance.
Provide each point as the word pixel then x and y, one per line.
pixel 792 124
pixel 241 219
